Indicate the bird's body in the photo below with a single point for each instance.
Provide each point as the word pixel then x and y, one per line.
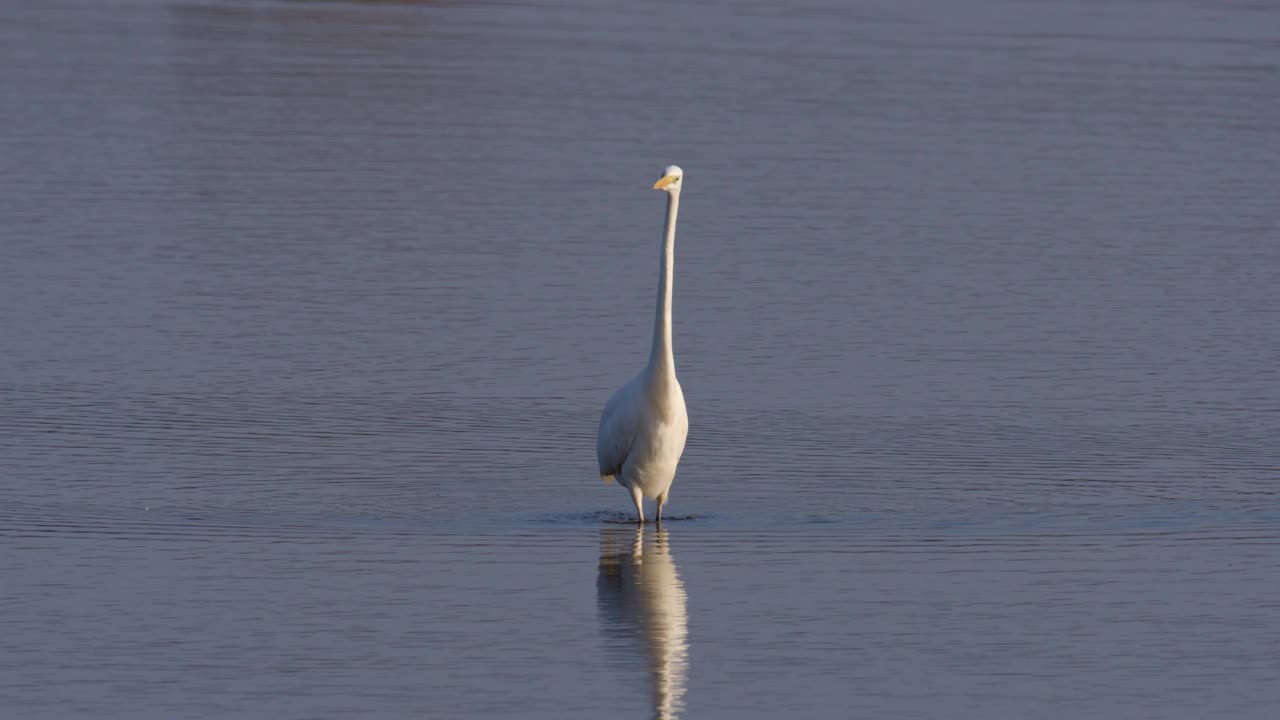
pixel 644 424
pixel 647 430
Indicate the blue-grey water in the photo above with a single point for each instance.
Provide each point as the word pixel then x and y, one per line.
pixel 308 310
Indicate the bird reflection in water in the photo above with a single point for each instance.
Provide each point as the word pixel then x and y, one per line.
pixel 642 603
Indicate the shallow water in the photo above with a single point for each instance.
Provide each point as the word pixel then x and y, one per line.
pixel 309 310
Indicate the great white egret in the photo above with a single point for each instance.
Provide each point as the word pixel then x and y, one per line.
pixel 644 425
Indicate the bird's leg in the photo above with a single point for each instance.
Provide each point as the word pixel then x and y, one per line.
pixel 638 498
pixel 662 500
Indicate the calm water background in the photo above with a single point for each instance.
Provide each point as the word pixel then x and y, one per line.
pixel 308 310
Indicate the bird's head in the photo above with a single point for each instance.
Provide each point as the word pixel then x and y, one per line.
pixel 671 178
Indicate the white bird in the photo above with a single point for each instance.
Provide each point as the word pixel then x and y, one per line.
pixel 644 425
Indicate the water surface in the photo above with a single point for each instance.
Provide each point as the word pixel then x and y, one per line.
pixel 309 310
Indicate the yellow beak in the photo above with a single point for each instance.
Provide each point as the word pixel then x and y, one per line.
pixel 665 181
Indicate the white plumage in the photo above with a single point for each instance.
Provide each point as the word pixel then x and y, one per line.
pixel 644 424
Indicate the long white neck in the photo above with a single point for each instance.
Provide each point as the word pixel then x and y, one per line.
pixel 662 363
